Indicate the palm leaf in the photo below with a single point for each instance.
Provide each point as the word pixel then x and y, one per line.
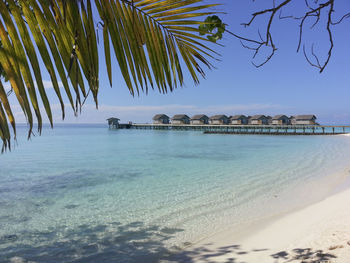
pixel 154 42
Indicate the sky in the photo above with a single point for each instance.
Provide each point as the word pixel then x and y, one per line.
pixel 287 84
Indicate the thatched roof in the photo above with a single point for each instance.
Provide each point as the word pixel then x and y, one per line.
pixel 237 117
pixel 279 117
pixel 159 117
pixel 258 117
pixel 199 117
pixel 305 117
pixel 218 117
pixel 180 117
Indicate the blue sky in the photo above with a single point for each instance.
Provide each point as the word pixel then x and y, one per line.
pixel 287 84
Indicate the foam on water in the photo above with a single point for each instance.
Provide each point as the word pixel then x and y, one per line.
pixel 88 194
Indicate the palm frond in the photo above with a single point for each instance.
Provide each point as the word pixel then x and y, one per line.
pixel 154 41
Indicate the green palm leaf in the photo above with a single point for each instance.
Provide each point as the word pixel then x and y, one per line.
pixel 154 42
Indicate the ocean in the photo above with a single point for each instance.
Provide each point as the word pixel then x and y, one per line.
pixel 84 193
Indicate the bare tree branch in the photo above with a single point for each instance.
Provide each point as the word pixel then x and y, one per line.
pixel 312 52
pixel 314 10
pixel 243 38
pixel 341 19
pixel 331 9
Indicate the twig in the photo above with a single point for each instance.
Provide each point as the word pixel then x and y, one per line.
pixel 315 9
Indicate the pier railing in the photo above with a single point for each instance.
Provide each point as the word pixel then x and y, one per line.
pixel 246 129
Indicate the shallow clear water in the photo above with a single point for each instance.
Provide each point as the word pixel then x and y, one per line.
pixel 89 194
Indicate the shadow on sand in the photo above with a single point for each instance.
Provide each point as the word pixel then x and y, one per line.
pixel 134 242
pixel 235 254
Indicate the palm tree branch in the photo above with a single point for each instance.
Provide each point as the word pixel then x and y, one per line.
pixel 153 42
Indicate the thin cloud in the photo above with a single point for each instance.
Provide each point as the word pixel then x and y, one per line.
pixel 47 85
pixel 144 113
pixel 7 86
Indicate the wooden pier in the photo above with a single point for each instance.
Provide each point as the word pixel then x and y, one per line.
pixel 246 129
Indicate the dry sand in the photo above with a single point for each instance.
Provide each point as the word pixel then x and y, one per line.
pixel 317 233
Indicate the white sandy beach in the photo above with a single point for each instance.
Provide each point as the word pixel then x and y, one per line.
pixel 317 233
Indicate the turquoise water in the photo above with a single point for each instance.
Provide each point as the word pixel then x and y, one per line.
pixel 89 194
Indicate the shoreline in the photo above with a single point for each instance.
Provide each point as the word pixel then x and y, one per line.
pixel 314 232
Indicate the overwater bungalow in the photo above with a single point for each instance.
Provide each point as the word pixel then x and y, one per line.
pixel 219 120
pixel 161 119
pixel 180 119
pixel 259 120
pixel 249 119
pixel 280 120
pixel 238 120
pixel 269 120
pixel 113 122
pixel 292 120
pixel 199 119
pixel 304 120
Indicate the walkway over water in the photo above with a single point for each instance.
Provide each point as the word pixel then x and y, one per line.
pixel 246 129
